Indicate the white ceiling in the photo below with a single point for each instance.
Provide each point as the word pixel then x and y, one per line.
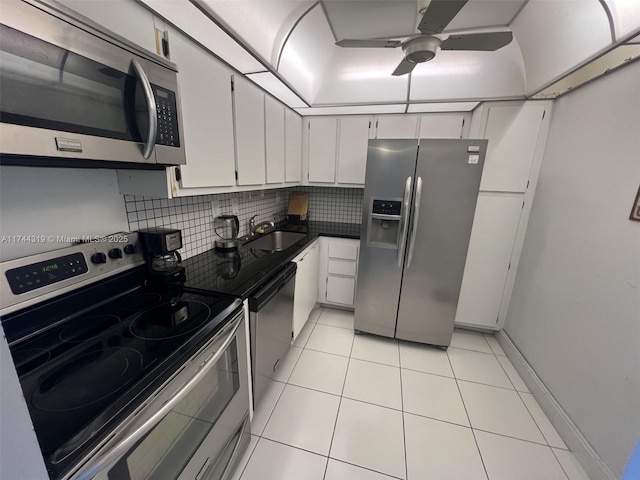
pixel 296 59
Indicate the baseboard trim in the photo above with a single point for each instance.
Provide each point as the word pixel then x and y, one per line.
pixel 591 462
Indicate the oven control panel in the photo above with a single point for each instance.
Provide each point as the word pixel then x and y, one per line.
pixel 36 275
pixel 29 280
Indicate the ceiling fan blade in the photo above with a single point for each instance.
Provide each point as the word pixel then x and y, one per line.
pixel 346 43
pixel 486 42
pixel 438 15
pixel 404 68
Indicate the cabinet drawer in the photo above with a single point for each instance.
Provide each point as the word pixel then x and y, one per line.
pixel 341 290
pixel 342 267
pixel 344 251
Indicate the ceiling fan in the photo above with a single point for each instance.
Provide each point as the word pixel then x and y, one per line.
pixel 420 48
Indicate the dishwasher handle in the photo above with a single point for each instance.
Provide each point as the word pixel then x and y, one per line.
pixel 270 289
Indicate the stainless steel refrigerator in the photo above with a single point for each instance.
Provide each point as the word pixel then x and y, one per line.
pixel 419 202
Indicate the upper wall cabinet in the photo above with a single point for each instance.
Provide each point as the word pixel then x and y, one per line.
pixel 352 149
pixel 513 132
pixel 441 126
pixel 293 146
pixel 207 115
pixel 274 131
pixel 250 135
pixel 396 126
pixel 128 19
pixel 322 133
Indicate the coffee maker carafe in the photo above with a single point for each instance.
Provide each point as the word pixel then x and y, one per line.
pixel 226 228
pixel 161 246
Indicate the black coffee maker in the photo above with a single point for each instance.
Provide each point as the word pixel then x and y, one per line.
pixel 161 247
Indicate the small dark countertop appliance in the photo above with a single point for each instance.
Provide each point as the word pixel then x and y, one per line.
pixel 161 247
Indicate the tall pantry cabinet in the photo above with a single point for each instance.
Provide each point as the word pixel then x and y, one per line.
pixel 517 134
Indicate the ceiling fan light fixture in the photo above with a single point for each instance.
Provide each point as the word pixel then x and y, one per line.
pixel 421 49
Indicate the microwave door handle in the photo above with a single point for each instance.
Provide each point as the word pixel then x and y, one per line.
pixel 152 115
pixel 416 217
pixel 404 221
pixel 114 453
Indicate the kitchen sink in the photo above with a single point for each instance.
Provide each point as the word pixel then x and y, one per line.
pixel 276 241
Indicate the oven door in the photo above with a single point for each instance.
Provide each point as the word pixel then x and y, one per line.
pixel 194 427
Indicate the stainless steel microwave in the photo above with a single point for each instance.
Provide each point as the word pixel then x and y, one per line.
pixel 72 93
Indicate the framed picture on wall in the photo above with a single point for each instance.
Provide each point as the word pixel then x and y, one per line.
pixel 635 211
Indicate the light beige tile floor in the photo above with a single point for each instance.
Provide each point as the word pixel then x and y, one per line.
pixel 362 407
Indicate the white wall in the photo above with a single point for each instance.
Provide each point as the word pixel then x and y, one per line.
pixel 56 202
pixel 575 309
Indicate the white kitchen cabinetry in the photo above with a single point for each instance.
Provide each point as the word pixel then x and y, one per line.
pixel 250 136
pixel 293 146
pixel 441 126
pixel 306 293
pixel 396 126
pixel 490 248
pixel 207 115
pixel 338 271
pixel 352 149
pixel 513 132
pixel 274 131
pixel 517 134
pixel 322 133
pixel 128 19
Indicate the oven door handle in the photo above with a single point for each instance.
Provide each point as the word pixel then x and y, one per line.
pixel 114 453
pixel 152 115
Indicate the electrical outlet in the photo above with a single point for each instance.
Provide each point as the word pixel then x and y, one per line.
pixel 247 195
pixel 277 197
pixel 235 206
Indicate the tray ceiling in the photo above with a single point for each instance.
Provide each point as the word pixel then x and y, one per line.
pixel 294 40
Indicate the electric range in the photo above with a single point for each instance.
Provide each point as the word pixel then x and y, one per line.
pixel 88 358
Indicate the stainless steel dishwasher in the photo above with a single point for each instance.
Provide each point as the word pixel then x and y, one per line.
pixel 270 323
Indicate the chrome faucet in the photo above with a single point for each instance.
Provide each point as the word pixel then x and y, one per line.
pixel 262 225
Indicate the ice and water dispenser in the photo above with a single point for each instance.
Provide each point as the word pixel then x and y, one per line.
pixel 384 223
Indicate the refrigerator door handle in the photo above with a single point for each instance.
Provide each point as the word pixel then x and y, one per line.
pixel 416 216
pixel 404 224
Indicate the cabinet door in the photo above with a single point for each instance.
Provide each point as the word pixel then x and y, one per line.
pixel 207 116
pixel 322 149
pixel 352 149
pixel 293 145
pixel 306 292
pixel 249 124
pixel 128 19
pixel 341 290
pixel 512 131
pixel 274 130
pixel 397 126
pixel 492 238
pixel 441 126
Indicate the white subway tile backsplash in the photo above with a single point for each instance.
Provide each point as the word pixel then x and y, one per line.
pixel 193 215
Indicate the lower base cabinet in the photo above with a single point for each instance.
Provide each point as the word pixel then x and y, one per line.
pixel 306 293
pixel 338 271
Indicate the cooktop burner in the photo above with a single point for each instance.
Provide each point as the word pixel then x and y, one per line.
pixel 170 320
pixel 87 379
pixel 141 301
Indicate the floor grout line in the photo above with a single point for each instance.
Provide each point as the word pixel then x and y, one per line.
pixel 335 425
pixel 468 418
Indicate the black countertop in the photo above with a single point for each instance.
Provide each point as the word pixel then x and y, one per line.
pixel 243 271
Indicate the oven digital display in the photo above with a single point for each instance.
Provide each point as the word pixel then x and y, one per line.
pixel 41 274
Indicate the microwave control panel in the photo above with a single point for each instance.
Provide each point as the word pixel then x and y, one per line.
pixel 167 118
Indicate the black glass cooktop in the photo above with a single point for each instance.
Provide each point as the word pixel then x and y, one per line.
pixel 85 358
